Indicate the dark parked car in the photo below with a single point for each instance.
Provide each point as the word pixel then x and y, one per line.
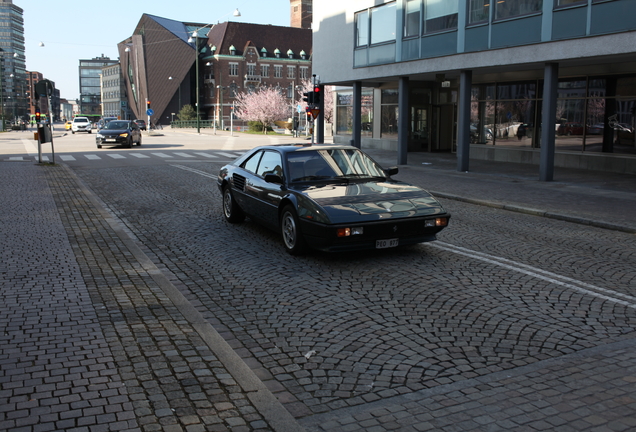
pixel 328 197
pixel 140 123
pixel 124 132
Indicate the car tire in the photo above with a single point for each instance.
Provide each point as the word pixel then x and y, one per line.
pixel 90 131
pixel 290 230
pixel 231 210
pixel 73 132
pixel 129 143
pixel 99 146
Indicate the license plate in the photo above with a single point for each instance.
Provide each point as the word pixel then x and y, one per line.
pixel 383 244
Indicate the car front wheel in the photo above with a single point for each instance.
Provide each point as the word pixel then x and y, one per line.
pixel 231 210
pixel 290 229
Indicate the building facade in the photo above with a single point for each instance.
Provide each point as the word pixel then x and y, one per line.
pixel 14 101
pixel 172 64
pixel 90 84
pixel 113 93
pixel 550 82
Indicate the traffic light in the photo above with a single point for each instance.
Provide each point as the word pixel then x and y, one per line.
pixel 316 98
pixel 37 115
pixel 148 104
pixel 308 111
pixel 308 98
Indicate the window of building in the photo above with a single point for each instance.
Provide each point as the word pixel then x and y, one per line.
pixel 233 69
pixel 290 91
pixel 478 11
pixel 389 113
pixel 291 72
pixel 511 8
pixel 383 23
pixel 569 2
pixel 233 90
pixel 251 69
pixel 278 71
pixel 344 113
pixel 440 15
pixel 304 73
pixel 362 28
pixel 265 71
pixel 412 18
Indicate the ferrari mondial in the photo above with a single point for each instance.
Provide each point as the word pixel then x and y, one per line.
pixel 328 197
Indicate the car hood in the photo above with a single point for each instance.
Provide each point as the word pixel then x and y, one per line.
pixel 369 201
pixel 113 131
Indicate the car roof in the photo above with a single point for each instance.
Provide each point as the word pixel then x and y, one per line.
pixel 296 147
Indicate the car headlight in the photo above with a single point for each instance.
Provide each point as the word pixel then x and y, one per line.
pixel 100 136
pixel 125 135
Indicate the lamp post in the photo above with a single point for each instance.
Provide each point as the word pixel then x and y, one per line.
pixel 221 88
pixel 195 39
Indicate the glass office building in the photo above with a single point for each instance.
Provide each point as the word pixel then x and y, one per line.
pixel 504 80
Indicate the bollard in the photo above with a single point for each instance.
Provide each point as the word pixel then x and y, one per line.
pixel 35 136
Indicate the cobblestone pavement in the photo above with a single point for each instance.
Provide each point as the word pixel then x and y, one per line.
pixel 166 318
pixel 90 339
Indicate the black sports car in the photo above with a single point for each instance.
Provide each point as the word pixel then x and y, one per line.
pixel 328 197
pixel 117 132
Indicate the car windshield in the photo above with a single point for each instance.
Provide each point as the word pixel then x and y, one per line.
pixel 114 125
pixel 81 120
pixel 308 165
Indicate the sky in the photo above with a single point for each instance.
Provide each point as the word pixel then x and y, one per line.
pixel 76 29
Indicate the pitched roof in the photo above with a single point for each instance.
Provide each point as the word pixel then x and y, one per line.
pixel 270 37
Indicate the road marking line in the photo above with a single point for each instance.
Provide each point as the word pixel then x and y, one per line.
pixel 207 155
pixel 162 155
pixel 67 158
pixel 184 155
pixel 196 171
pixel 116 156
pixel 139 155
pixel 565 281
pixel 228 155
pixel 92 157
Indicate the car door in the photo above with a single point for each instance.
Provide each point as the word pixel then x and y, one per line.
pixel 242 180
pixel 266 196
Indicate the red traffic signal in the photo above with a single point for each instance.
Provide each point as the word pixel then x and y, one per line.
pixel 316 94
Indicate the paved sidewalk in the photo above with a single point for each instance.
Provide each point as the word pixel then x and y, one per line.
pixel 93 337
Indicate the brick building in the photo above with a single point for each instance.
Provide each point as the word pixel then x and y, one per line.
pixel 159 64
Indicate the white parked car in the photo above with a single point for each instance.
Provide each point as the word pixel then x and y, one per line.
pixel 81 124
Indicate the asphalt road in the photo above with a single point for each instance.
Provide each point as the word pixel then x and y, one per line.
pixel 333 335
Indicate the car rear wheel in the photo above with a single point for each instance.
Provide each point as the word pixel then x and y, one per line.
pixel 290 229
pixel 231 210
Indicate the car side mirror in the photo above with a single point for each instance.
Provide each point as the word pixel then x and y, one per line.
pixel 273 178
pixel 391 171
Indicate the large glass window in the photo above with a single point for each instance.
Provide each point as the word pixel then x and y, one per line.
pixel 569 2
pixel 362 28
pixel 383 23
pixel 389 113
pixel 412 18
pixel 478 11
pixel 440 15
pixel 511 8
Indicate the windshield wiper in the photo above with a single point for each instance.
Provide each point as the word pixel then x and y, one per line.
pixel 311 177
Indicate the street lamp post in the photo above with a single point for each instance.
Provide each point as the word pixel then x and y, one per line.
pixel 195 38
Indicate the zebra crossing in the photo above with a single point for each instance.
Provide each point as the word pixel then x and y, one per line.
pixel 220 155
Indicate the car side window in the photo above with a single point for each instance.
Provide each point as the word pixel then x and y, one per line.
pixel 271 163
pixel 252 163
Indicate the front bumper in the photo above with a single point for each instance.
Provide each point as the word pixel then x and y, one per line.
pixel 111 140
pixel 407 231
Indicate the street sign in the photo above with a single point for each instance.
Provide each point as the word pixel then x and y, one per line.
pixel 314 112
pixel 298 108
pixel 149 111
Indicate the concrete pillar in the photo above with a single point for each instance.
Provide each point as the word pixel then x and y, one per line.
pixel 463 120
pixel 548 121
pixel 356 138
pixel 403 120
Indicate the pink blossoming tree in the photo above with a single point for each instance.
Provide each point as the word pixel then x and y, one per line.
pixel 265 105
